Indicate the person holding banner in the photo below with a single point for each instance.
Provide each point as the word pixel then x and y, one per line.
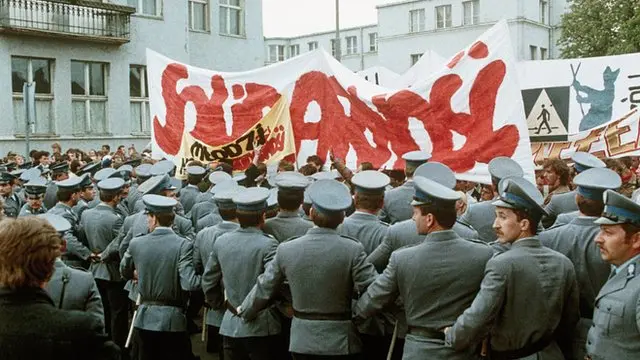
pixel 528 299
pixel 576 240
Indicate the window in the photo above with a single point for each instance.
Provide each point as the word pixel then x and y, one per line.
pixel 199 15
pixel 231 17
pixel 89 97
pixel 333 47
pixel 416 20
pixel 534 52
pixel 352 45
pixel 443 16
pixel 544 9
pixel 294 50
pixel 312 45
pixel 139 98
pixel 24 69
pixel 147 7
pixel 373 42
pixel 415 58
pixel 471 12
pixel 543 54
pixel 276 53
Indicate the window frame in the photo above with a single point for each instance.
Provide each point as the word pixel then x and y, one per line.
pixel 352 49
pixel 373 46
pixel 447 10
pixel 334 47
pixel 87 98
pixel 544 11
pixel 312 45
pixel 143 100
pixel 291 52
pixel 229 7
pixel 159 9
pixel 421 20
pixel 533 52
pixel 207 20
pixel 474 18
pixel 50 96
pixel 544 53
pixel 278 58
pixel 416 57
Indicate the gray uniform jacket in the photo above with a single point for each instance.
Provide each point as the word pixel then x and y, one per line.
pixel 365 228
pixel 80 207
pixel 202 209
pixel 209 220
pixel 481 216
pixel 205 196
pixel 616 331
pixel 287 224
pixel 241 256
pixel 101 225
pixel 202 250
pixel 397 203
pixel 80 292
pixel 26 210
pixel 164 262
pixel 51 195
pixel 576 241
pixel 404 234
pixel 323 270
pixel 529 293
pixel 437 280
pixel 188 196
pixel 560 204
pixel 75 237
pixel 12 205
pixel 134 196
pixel 566 218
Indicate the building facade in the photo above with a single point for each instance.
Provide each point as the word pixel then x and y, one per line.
pixel 87 59
pixel 407 29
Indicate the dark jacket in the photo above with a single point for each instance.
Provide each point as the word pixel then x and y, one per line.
pixel 31 327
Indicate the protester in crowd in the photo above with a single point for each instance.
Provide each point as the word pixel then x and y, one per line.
pixel 42 158
pixel 621 166
pixel 285 165
pixel 556 174
pixel 106 149
pixel 486 192
pixel 364 166
pixel 31 327
pixel 316 162
pixel 56 149
pixel 308 170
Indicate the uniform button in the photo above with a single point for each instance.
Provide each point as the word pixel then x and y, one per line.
pixel 589 342
pixel 608 308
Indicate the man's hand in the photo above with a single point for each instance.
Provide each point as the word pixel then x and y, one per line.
pixel 256 155
pixel 95 258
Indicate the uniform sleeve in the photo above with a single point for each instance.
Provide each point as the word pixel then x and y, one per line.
pixel 384 214
pixel 126 265
pixel 381 292
pixel 552 214
pixel 197 256
pixel 94 302
pixel 112 250
pixel 75 247
pixel 380 256
pixel 638 313
pixel 186 230
pixel 189 281
pixel 362 271
pixel 474 324
pixel 124 243
pixel 212 281
pixel 570 314
pixel 266 286
pixel 270 253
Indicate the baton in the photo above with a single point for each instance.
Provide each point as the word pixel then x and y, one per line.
pixel 133 320
pixel 203 338
pixel 393 341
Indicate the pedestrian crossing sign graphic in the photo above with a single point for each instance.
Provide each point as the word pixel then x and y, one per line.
pixel 547 112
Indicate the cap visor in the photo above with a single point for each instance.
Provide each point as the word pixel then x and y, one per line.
pixel 417 203
pixel 607 221
pixel 500 203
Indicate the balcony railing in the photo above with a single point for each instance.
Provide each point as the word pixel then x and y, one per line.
pixel 79 19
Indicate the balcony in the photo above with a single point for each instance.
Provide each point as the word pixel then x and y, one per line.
pixel 71 19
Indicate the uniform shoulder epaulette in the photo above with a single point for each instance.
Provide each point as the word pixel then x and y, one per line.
pixel 386 224
pixel 292 238
pixel 465 224
pixel 498 248
pixel 79 268
pixel 478 241
pixel 269 235
pixel 350 238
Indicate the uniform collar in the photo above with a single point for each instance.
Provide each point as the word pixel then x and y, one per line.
pixel 441 235
pixel 321 231
pixel 626 264
pixel 529 242
pixel 59 263
pixel 252 230
pixel 583 220
pixel 288 214
pixel 192 186
pixel 162 230
pixel 62 205
pixel 228 225
pixel 363 216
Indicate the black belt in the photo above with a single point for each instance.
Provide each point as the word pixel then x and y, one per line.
pixel 344 316
pixel 177 304
pixel 523 352
pixel 426 333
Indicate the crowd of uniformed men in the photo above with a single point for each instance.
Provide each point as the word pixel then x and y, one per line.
pixel 317 265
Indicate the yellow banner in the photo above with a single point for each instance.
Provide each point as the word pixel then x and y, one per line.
pixel 273 134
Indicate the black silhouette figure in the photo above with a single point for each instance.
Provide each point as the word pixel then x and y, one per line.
pixel 545 115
